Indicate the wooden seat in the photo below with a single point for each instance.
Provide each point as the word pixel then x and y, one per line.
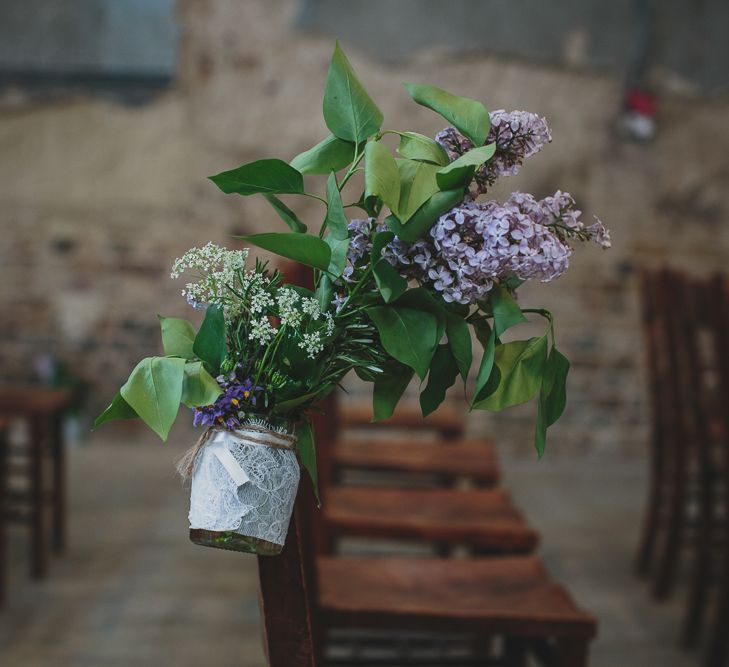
pixel 448 461
pixel 482 518
pixel 512 596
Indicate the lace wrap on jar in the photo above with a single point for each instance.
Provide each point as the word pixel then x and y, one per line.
pixel 245 482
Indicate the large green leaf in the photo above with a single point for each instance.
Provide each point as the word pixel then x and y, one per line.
pixel 338 249
pixel 286 214
pixel 407 335
pixel 419 147
pixel 307 454
pixel 424 218
pixel 417 185
pixel 388 390
pixel 459 340
pixel 336 220
pixel 466 115
pixel 270 176
pixel 505 310
pixel 177 337
pixel 324 292
pixel 460 171
pixel 390 283
pixel 118 409
pixel 198 386
pixel 420 298
pixel 552 397
pixel 303 248
pixel 210 343
pixel 520 365
pixel 442 375
pixel 483 387
pixel 349 111
pixel 382 178
pixel 154 390
pixel 330 154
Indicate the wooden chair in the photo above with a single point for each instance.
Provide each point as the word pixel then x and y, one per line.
pixel 41 409
pixel 305 595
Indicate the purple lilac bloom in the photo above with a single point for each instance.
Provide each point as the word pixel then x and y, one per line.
pixel 360 244
pixel 475 245
pixel 517 135
pixel 226 411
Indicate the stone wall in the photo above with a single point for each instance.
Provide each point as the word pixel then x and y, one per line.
pixel 97 200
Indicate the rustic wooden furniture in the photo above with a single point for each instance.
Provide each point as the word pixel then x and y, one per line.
pixel 41 409
pixel 305 595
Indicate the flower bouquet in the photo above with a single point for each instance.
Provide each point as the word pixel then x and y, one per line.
pixel 395 293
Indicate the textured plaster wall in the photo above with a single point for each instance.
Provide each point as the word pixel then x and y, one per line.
pixel 97 200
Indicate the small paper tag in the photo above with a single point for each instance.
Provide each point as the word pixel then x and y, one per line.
pixel 237 474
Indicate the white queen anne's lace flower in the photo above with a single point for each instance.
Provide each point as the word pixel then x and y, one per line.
pixel 313 343
pixel 262 330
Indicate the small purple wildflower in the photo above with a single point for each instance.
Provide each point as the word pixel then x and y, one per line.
pixel 228 409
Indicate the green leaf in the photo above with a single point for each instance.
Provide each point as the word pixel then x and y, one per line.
pixel 304 248
pixel 286 214
pixel 419 147
pixel 177 337
pixel 442 375
pixel 425 217
pixel 420 298
pixel 552 397
pixel 484 388
pixel 388 390
pixel 210 344
pixel 154 390
pixel 330 154
pixel 505 310
pixel 379 242
pixel 390 283
pixel 417 185
pixel 520 365
pixel 349 111
pixel 307 454
pixel 382 178
pixel 459 340
pixel 118 409
pixel 407 335
pixel 466 115
pixel 336 221
pixel 324 292
pixel 338 261
pixel 460 172
pixel 270 176
pixel 198 386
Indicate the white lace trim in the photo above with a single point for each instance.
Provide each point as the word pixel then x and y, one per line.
pixel 259 508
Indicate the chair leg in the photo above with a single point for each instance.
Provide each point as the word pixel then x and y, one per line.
pixel 571 652
pixel 668 556
pixel 650 525
pixel 37 523
pixel 59 486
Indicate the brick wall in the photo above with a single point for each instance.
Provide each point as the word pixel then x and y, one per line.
pixel 97 200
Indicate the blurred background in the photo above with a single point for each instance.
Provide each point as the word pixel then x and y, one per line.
pixel 112 114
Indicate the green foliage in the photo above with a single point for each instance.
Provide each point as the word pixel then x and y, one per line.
pixel 408 335
pixel 466 115
pixel 304 248
pixel 269 176
pixel 118 409
pixel 330 154
pixel 307 454
pixel 210 345
pixel 552 397
pixel 286 214
pixel 388 390
pixel 505 310
pixel 419 147
pixel 198 386
pixel 349 112
pixel 424 218
pixel 520 364
pixel 154 391
pixel 417 185
pixel 487 337
pixel 390 283
pixel 460 172
pixel 382 178
pixel 336 222
pixel 459 340
pixel 177 337
pixel 442 376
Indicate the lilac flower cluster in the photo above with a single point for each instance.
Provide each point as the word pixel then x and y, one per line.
pixel 229 408
pixel 517 135
pixel 360 244
pixel 475 245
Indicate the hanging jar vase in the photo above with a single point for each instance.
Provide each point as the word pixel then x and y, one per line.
pixel 244 484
